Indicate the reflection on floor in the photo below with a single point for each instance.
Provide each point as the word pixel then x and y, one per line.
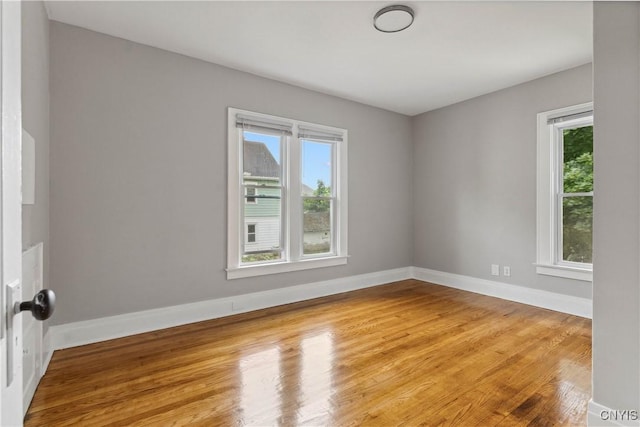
pixel 407 353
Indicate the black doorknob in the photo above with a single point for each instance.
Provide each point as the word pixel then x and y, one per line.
pixel 41 306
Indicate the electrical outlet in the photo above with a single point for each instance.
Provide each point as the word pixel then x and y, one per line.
pixel 506 271
pixel 495 270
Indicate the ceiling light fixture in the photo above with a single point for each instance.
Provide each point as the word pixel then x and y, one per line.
pixel 392 19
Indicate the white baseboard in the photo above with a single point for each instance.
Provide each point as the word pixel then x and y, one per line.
pixel 96 330
pixel 558 302
pixel 602 416
pixel 47 352
pixel 106 328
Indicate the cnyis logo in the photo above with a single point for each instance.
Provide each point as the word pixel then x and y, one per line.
pixel 626 415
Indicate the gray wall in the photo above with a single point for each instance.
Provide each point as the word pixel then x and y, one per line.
pixel 475 181
pixel 138 180
pixel 138 176
pixel 616 283
pixel 35 119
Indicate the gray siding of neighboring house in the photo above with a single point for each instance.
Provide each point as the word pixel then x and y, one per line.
pixel 267 234
pixel 265 209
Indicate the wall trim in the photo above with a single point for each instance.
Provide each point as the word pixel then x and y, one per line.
pixel 106 328
pixel 596 410
pixel 47 353
pixel 577 306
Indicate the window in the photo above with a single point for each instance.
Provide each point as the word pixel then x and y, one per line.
pixel 317 203
pixel 287 195
pixel 251 233
pixel 250 194
pixel 565 192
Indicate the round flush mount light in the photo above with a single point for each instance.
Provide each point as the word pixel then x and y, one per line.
pixel 392 19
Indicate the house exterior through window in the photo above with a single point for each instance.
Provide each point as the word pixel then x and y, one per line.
pixel 287 195
pixel 250 193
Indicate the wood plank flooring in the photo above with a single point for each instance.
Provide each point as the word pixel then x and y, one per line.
pixel 406 353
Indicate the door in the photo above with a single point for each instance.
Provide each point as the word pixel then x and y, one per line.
pixel 31 328
pixel 11 223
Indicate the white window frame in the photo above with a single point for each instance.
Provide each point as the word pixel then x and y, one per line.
pixel 549 177
pixel 292 209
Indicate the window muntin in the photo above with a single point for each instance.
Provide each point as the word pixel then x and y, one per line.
pixel 291 184
pixel 565 192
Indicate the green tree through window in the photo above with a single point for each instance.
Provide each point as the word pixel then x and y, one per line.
pixel 317 220
pixel 318 205
pixel 577 208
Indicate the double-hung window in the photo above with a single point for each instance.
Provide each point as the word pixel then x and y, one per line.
pixel 287 195
pixel 565 192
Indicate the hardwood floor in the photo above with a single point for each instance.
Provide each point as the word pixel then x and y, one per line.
pixel 406 353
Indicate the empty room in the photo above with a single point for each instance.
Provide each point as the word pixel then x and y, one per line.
pixel 320 213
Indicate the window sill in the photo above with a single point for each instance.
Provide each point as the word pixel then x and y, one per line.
pixel 583 274
pixel 284 267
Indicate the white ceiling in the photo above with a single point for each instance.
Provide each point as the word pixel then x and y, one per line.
pixel 452 52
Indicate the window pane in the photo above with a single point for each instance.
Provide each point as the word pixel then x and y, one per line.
pixel 251 233
pixel 577 228
pixel 250 193
pixel 317 181
pixel 317 174
pixel 263 225
pixel 262 212
pixel 261 158
pixel 317 226
pixel 578 159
